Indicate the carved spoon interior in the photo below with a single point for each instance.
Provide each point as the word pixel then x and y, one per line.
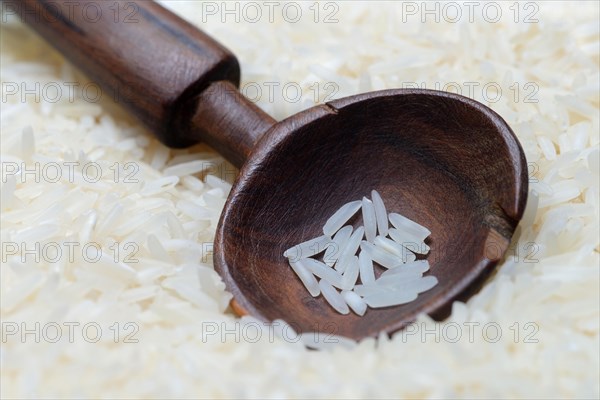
pixel 443 160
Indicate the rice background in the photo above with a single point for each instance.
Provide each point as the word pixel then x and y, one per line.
pixel 548 284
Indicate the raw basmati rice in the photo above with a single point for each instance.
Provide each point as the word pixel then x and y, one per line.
pixel 326 341
pixel 350 250
pixel 390 246
pixel 339 243
pixel 366 271
pixel 306 277
pixel 385 298
pixel 380 213
pixel 333 297
pixel 409 241
pixel 368 213
pixel 355 302
pixel 308 248
pixel 321 270
pixel 349 267
pixel 399 281
pixel 350 274
pixel 420 266
pixel 340 217
pixel 409 227
pixel 186 168
pixel 380 256
pixel 556 55
pixel 364 289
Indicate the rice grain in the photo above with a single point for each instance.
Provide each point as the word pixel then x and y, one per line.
pixel 370 223
pixel 380 213
pixel 367 273
pixel 308 249
pixel 333 297
pixel 307 278
pixel 338 244
pixel 355 302
pixel 340 217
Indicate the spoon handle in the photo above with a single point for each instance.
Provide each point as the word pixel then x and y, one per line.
pixel 155 64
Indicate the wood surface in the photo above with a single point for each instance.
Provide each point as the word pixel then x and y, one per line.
pixel 143 56
pixel 445 161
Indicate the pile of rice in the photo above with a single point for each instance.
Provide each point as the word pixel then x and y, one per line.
pixel 161 327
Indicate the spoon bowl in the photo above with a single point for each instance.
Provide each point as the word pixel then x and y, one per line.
pixel 447 162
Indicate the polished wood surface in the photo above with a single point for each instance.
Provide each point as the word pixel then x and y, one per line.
pixel 143 56
pixel 442 160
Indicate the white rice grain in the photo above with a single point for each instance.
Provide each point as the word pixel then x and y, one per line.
pixel 188 168
pixel 322 271
pixel 412 282
pixel 380 213
pixel 7 193
pixel 159 185
pixel 350 250
pixel 137 294
pixel 370 289
pixel 88 226
pixel 160 157
pixel 369 220
pixel 306 277
pixel 390 298
pixel 333 297
pixel 408 241
pixel 308 249
pixel 366 271
pixel 400 281
pixel 380 256
pixel 425 284
pixel 350 274
pixel 355 302
pixel 218 183
pixel 326 341
pixel 157 250
pixel 390 246
pixel 109 220
pixel 408 226
pixel 337 245
pixel 192 183
pixel 340 217
pixel 27 143
pixel 419 266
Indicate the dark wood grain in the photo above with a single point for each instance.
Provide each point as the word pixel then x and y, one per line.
pixel 142 55
pixel 228 121
pixel 441 159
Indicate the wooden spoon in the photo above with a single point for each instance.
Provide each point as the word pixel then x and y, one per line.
pixel 448 162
